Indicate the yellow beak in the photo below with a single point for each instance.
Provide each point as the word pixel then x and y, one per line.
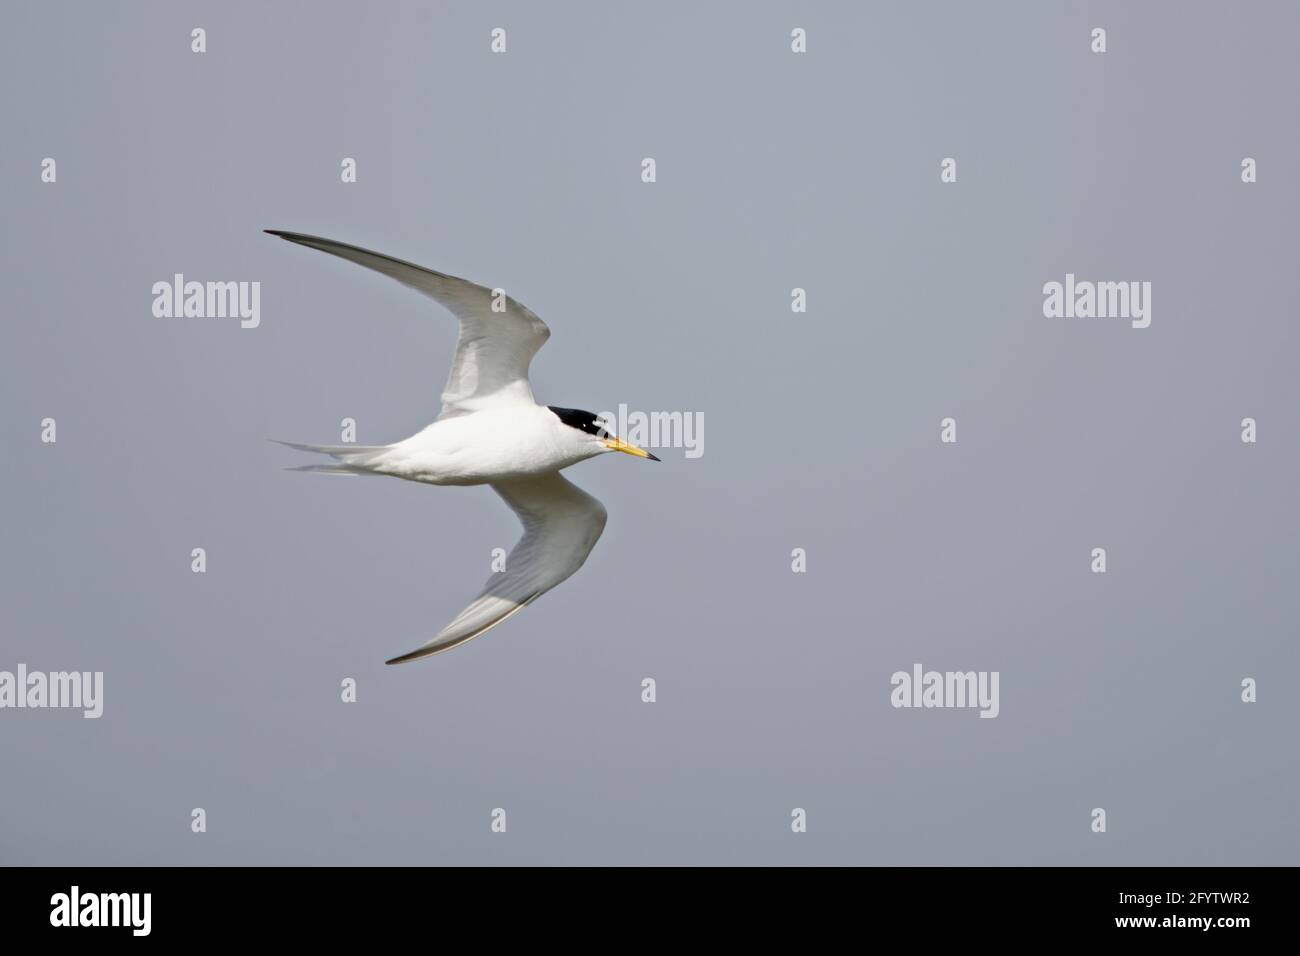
pixel 617 444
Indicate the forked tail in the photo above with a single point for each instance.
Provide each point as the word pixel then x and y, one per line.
pixel 348 459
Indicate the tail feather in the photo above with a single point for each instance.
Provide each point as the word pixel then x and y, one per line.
pixel 350 459
pixel 338 451
pixel 339 469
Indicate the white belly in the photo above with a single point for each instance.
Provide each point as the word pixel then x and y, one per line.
pixel 483 447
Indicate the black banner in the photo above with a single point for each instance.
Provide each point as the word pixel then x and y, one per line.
pixel 371 905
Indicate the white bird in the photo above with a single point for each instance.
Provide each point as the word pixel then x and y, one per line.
pixel 491 431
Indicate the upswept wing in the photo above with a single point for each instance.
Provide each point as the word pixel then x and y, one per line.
pixel 490 367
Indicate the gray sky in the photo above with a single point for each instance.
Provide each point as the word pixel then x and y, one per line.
pixel 774 170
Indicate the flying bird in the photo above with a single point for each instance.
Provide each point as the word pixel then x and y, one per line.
pixel 490 432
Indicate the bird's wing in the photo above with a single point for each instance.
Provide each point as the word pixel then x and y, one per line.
pixel 490 368
pixel 561 525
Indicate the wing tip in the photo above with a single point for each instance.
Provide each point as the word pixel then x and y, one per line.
pixel 425 650
pixel 405 658
pixel 286 234
pixel 430 649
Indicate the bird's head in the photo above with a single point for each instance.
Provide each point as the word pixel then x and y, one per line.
pixel 590 432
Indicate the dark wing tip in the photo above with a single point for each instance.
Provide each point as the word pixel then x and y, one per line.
pixel 299 237
pixel 425 651
pixel 429 650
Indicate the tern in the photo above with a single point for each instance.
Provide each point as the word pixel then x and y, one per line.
pixel 490 432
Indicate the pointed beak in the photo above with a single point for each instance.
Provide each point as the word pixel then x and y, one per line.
pixel 617 444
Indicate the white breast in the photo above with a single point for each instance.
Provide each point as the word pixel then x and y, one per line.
pixel 487 446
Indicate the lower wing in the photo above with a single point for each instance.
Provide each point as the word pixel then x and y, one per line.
pixel 561 525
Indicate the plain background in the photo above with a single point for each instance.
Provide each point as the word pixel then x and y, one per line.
pixel 775 170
